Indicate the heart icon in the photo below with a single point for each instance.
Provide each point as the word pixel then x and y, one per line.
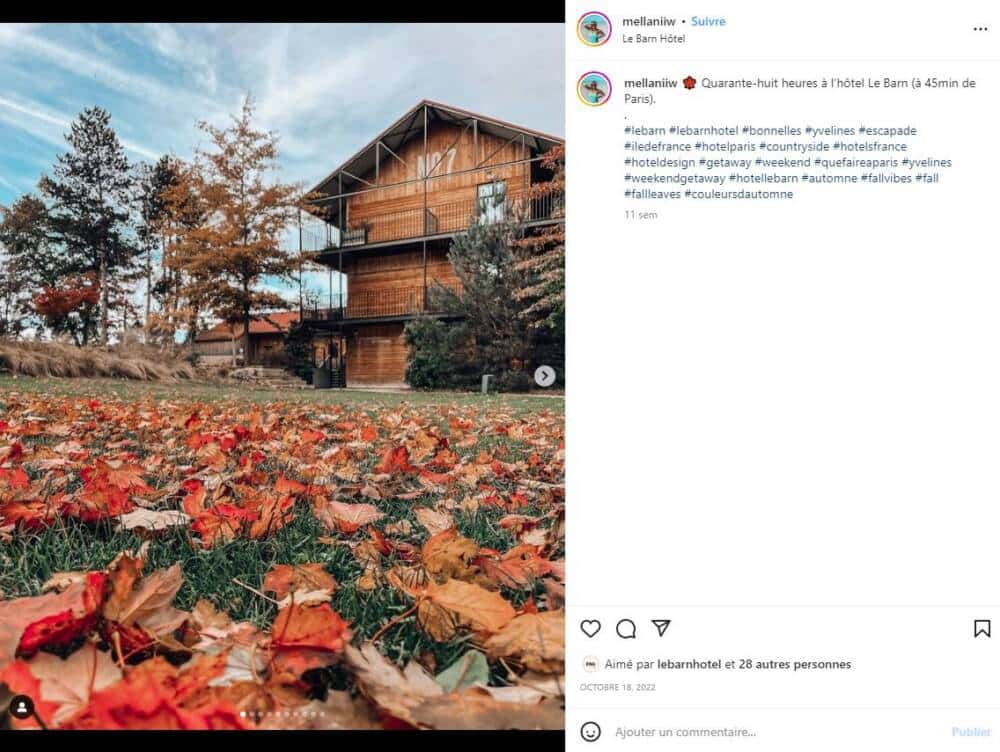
pixel 590 627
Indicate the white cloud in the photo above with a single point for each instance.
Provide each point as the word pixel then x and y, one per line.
pixel 9 185
pixel 61 121
pixel 77 63
pixel 326 88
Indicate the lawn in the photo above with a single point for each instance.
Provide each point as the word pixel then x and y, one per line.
pixel 202 556
pixel 518 404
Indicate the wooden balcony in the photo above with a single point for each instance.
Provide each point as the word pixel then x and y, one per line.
pixel 390 302
pixel 436 220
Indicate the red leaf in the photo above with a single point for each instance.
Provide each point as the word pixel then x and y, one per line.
pixel 19 680
pixel 395 461
pixel 311 436
pixel 150 697
pixel 286 486
pixel 19 479
pixel 51 619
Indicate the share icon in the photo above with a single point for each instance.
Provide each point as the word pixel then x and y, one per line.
pixel 661 625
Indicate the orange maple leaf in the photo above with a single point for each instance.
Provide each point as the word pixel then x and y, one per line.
pixel 286 486
pixel 147 698
pixel 314 627
pixel 395 460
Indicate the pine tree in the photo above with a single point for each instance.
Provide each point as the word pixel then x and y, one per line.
pixel 152 185
pixel 14 305
pixel 510 307
pixel 28 260
pixel 91 194
pixel 483 258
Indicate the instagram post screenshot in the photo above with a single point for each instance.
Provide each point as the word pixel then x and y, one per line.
pixel 563 376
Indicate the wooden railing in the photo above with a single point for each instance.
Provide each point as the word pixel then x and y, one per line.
pixel 378 303
pixel 437 219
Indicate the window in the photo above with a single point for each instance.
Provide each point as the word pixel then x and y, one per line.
pixel 492 201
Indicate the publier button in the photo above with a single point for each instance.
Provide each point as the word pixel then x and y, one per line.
pixel 982 628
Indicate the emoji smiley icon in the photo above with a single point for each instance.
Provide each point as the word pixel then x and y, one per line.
pixel 590 731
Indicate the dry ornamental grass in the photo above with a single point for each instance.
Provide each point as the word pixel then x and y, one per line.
pixel 41 359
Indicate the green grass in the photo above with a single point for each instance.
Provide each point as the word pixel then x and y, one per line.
pixel 518 404
pixel 33 556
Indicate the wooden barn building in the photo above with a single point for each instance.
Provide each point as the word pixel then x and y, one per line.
pixel 222 344
pixel 390 212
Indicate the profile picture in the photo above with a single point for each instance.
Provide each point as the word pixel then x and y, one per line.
pixel 593 28
pixel 594 88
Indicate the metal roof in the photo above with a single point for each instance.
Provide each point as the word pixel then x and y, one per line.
pixel 409 125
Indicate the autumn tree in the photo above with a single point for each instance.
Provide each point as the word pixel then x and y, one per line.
pixel 246 212
pixel 542 255
pixel 186 235
pixel 66 307
pixel 91 196
pixel 25 231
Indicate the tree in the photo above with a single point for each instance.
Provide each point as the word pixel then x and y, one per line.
pixel 92 191
pixel 13 301
pixel 152 185
pixel 246 212
pixel 28 260
pixel 440 355
pixel 508 315
pixel 542 256
pixel 483 258
pixel 185 230
pixel 63 307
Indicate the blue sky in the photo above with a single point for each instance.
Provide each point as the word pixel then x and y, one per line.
pixel 327 89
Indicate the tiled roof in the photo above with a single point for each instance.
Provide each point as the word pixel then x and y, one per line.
pixel 270 323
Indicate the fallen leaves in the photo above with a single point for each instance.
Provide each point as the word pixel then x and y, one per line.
pixel 307 637
pixel 481 609
pixel 51 619
pixel 478 708
pixel 395 460
pixel 153 520
pixel 537 640
pixel 151 696
pixel 433 520
pixel 413 697
pixel 398 692
pixel 438 519
pixel 317 627
pixel 450 555
pixel 348 518
pixel 139 610
pixel 69 684
pixel 286 578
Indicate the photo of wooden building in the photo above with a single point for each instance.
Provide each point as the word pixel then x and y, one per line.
pixel 223 344
pixel 390 212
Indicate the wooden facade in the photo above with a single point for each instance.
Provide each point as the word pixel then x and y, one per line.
pixel 454 176
pixel 376 355
pixel 222 344
pixel 391 212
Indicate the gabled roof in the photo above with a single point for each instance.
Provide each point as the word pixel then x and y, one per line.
pixel 410 124
pixel 270 323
